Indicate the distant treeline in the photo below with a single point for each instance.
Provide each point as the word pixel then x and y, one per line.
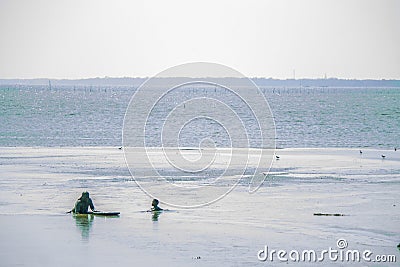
pixel 262 82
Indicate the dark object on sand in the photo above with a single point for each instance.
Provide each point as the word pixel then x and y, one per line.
pixel 328 214
pixel 277 157
pixel 155 206
pixel 383 156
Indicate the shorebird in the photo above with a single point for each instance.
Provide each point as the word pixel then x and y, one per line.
pixel 395 149
pixel 383 156
pixel 360 152
pixel 277 157
pixel 120 147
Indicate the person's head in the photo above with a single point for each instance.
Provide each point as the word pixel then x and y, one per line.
pixel 85 195
pixel 155 202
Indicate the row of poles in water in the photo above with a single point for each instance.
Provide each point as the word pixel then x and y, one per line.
pixel 221 90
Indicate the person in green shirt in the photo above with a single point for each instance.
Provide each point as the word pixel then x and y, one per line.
pixel 83 203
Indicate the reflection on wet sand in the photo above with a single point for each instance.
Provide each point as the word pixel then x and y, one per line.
pixel 155 215
pixel 84 223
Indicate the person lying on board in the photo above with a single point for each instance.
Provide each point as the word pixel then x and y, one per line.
pixel 155 206
pixel 82 204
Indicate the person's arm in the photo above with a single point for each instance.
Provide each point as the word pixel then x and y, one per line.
pixel 73 210
pixel 91 204
pixel 156 208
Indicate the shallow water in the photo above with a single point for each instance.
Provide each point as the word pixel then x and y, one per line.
pixel 39 184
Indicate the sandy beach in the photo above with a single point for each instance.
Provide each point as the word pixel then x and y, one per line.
pixel 39 184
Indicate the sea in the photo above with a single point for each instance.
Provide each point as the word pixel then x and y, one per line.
pixel 335 154
pixel 303 117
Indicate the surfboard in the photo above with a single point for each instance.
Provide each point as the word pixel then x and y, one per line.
pixel 99 213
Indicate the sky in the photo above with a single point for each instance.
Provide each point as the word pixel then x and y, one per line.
pixel 352 39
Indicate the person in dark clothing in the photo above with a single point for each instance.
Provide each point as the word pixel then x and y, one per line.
pixel 155 206
pixel 83 203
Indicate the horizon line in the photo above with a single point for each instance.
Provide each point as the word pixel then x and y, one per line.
pixel 227 77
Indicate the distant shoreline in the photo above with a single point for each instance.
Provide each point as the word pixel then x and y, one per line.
pixel 262 82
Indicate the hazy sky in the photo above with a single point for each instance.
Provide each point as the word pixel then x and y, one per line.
pixel 81 39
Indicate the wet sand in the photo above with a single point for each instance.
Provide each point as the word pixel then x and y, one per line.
pixel 39 184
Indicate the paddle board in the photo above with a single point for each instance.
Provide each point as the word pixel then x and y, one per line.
pixel 99 213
